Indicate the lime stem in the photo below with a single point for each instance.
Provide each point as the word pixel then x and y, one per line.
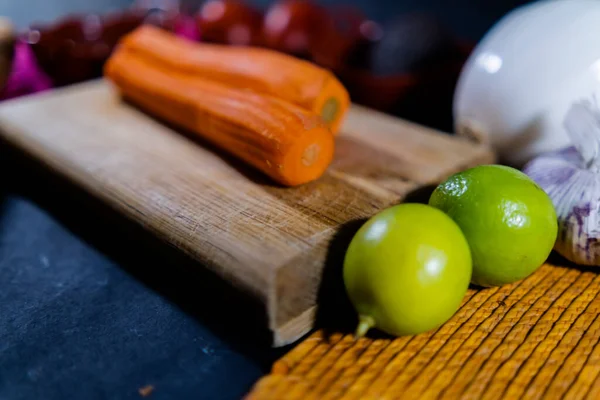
pixel 365 322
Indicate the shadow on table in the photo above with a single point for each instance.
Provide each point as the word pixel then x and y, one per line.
pixel 236 318
pixel 558 260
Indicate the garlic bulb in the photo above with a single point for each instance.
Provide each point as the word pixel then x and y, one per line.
pixel 571 177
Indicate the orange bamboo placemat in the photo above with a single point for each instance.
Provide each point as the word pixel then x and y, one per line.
pixel 538 338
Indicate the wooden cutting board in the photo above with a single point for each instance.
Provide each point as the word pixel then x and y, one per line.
pixel 271 242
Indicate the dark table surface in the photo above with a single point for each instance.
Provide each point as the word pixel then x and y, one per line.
pixel 92 309
pixel 74 325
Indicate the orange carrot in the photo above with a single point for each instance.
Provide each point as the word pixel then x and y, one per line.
pixel 288 143
pixel 267 71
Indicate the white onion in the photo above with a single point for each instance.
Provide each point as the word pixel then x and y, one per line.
pixel 518 84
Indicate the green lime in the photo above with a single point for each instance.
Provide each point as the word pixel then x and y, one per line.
pixel 508 220
pixel 407 270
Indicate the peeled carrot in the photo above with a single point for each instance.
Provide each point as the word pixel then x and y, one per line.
pixel 267 71
pixel 288 143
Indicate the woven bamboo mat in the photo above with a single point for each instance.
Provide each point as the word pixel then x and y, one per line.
pixel 538 338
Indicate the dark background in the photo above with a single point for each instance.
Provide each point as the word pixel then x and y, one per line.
pixel 468 18
pixel 88 312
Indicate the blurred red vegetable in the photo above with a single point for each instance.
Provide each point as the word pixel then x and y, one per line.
pixel 380 93
pixel 295 26
pixel 117 25
pixel 70 50
pixel 347 28
pixel 230 22
pixel 75 48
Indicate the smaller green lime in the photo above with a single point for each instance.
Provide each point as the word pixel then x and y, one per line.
pixel 507 218
pixel 407 270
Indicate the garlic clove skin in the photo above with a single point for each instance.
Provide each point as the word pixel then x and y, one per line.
pixel 575 193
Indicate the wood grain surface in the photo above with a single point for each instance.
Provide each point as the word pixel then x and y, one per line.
pixel 268 241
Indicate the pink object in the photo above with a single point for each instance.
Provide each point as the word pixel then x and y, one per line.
pixel 25 77
pixel 186 26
